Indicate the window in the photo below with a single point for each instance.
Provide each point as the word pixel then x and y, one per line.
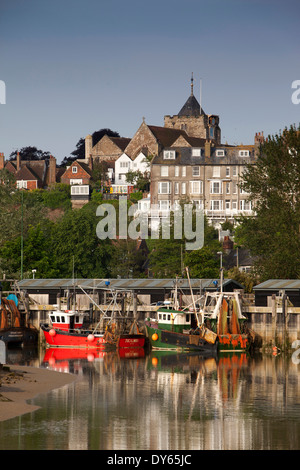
pixel 216 205
pixel 198 204
pixel 227 172
pixel 124 164
pixel 74 169
pixel 215 187
pixel 195 187
pixel 80 190
pixel 227 205
pixel 164 187
pixel 21 184
pixel 211 132
pixel 244 153
pixel 164 205
pixel 196 152
pixel 176 188
pixel 164 171
pixel 227 188
pixel 183 171
pixel 183 188
pixel 234 188
pixel 76 181
pixel 234 205
pixel 245 205
pixel 234 171
pixel 220 153
pixel 176 170
pixel 169 154
pixel 196 170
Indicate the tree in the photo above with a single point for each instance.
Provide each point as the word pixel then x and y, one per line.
pixel 273 184
pixel 30 153
pixel 79 152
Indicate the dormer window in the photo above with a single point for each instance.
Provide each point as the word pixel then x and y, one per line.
pixel 74 169
pixel 244 153
pixel 220 153
pixel 169 154
pixel 196 152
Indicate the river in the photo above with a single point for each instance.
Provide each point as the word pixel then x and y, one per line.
pixel 161 401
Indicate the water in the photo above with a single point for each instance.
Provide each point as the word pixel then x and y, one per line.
pixel 162 401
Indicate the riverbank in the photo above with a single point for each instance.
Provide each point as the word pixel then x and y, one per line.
pixel 21 383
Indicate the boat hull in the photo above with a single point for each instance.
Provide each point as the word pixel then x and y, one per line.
pixel 233 342
pixel 19 336
pixel 169 340
pixel 63 339
pixel 131 341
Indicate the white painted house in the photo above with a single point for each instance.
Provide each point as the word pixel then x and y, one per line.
pixel 124 164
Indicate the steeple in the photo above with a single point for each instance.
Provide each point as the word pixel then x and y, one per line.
pixel 191 106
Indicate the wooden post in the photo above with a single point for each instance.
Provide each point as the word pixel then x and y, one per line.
pixel 274 319
pixel 135 306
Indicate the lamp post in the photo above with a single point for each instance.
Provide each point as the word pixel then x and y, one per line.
pixel 221 269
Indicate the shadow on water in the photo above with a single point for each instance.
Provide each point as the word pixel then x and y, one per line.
pixel 137 400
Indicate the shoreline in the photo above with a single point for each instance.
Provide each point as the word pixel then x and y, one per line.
pixel 21 383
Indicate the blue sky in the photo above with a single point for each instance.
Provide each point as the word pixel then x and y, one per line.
pixel 73 67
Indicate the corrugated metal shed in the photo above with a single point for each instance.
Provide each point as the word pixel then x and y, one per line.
pixel 127 284
pixel 278 284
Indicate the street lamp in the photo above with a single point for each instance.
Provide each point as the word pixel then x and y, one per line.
pixel 221 269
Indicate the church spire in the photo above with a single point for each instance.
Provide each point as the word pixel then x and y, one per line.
pixel 192 85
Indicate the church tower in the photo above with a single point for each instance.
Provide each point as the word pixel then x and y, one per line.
pixel 193 120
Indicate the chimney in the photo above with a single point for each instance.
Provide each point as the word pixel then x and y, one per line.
pixel 88 147
pixel 259 138
pixel 52 170
pixel 2 161
pixel 90 162
pixel 18 161
pixel 227 244
pixel 207 149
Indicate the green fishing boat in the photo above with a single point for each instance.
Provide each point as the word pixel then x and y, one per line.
pixel 175 329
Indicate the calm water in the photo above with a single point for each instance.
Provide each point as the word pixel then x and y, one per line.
pixel 162 401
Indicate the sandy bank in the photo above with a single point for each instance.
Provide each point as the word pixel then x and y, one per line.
pixel 21 383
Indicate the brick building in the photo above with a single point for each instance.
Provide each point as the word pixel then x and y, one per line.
pixel 209 176
pixel 31 174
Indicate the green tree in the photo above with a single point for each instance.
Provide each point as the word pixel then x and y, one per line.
pixel 30 153
pixel 273 184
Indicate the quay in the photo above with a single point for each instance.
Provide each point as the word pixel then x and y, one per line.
pixel 273 311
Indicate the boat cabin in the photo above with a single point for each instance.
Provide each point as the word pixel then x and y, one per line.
pixel 174 320
pixel 66 320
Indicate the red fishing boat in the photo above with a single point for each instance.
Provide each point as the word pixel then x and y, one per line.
pixel 66 330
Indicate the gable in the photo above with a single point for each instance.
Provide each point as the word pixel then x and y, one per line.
pixel 111 146
pixel 181 142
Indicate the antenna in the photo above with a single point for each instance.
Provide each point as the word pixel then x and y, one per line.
pixel 200 95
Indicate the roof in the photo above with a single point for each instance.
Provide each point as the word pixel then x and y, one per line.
pixel 191 108
pixel 184 156
pixel 127 284
pixel 166 136
pixel 279 284
pixel 121 142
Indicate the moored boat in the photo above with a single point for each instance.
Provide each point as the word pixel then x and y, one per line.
pixel 222 314
pixel 14 330
pixel 65 329
pixel 176 329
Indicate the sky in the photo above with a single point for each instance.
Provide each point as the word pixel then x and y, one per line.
pixel 72 67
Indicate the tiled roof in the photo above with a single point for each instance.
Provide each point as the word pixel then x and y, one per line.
pixel 191 108
pixel 167 136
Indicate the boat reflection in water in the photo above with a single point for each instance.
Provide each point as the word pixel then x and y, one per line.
pixel 163 400
pixel 60 358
